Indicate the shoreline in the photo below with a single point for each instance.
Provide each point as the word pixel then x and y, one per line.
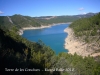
pixel 20 32
pixel 74 45
pixel 29 28
pixel 44 26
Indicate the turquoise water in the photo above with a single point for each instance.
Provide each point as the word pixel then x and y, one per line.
pixel 53 36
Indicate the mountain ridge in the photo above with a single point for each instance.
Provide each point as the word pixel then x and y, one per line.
pixel 21 21
pixel 18 53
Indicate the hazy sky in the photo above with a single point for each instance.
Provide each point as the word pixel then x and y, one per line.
pixel 48 7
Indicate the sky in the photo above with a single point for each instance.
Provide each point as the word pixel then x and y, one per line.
pixel 36 8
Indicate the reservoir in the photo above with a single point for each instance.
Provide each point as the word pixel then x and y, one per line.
pixel 53 36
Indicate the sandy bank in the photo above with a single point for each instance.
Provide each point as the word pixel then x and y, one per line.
pixel 42 26
pixel 28 28
pixel 20 32
pixel 74 45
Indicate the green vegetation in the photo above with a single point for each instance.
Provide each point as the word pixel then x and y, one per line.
pixel 21 21
pixel 19 53
pixel 58 19
pixel 61 19
pixel 24 21
pixel 4 22
pixel 87 28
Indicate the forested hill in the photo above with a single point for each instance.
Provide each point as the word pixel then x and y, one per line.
pixel 87 27
pixel 17 52
pixel 18 56
pixel 62 19
pixel 87 30
pixel 21 21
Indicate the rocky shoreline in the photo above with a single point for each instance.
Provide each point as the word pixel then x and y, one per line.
pixel 74 45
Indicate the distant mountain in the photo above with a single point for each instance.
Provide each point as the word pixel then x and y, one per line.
pixel 18 21
pixel 21 21
pixel 86 15
pixel 18 56
pixel 80 15
pixel 42 17
pixel 91 13
pixel 62 19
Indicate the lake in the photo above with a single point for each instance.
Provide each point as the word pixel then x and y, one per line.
pixel 53 36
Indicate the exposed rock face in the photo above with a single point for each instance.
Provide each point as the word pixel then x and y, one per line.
pixel 10 19
pixel 75 45
pixel 20 32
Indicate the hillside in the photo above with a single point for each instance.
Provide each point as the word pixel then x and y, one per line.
pixel 87 35
pixel 62 19
pixel 25 57
pixel 87 28
pixel 17 52
pixel 21 21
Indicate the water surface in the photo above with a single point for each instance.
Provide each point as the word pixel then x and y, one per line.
pixel 53 36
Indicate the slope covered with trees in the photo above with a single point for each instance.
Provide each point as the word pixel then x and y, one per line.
pixel 21 21
pixel 24 21
pixel 18 56
pixel 58 19
pixel 88 29
pixel 19 53
pixel 62 19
